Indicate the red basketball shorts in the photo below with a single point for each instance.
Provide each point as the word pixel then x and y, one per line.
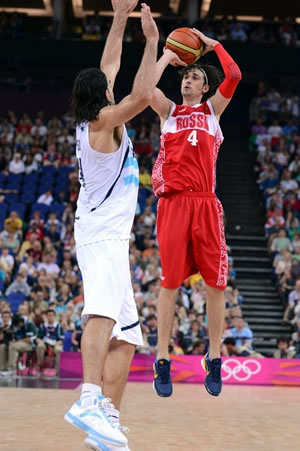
pixel 190 233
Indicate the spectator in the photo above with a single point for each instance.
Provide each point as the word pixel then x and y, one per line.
pixel 19 285
pixel 150 331
pixel 7 259
pixel 283 351
pixel 230 348
pixel 6 336
pixel 16 166
pixel 281 242
pixel 293 301
pixel 199 347
pixel 238 34
pixel 50 339
pixel 24 336
pixel 46 198
pixel 242 333
pixel 14 224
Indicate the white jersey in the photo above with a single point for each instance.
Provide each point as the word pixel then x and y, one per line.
pixel 108 194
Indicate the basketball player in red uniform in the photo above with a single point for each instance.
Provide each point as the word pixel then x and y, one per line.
pixel 190 228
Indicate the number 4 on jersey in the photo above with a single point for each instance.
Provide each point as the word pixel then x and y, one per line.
pixel 192 138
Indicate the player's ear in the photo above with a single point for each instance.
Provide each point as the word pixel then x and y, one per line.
pixel 206 88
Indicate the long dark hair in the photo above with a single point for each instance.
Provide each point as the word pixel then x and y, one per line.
pixel 88 95
pixel 214 77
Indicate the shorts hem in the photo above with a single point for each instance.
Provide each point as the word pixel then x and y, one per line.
pixel 170 286
pixel 102 314
pixel 100 241
pixel 131 341
pixel 214 285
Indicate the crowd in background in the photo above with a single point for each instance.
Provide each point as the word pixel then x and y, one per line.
pixel 95 27
pixel 275 137
pixel 40 282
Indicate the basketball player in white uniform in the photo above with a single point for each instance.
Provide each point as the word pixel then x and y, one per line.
pixel 109 178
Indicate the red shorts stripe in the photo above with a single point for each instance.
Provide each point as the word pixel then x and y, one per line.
pixel 191 238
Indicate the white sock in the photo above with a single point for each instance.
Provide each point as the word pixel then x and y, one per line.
pixel 90 390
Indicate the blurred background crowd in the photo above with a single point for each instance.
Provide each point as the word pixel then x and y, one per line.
pixel 275 138
pixel 96 27
pixel 41 295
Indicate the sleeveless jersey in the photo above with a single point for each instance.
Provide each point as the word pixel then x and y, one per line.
pixel 190 142
pixel 108 194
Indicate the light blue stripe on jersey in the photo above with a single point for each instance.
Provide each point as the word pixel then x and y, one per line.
pixel 131 179
pixel 131 161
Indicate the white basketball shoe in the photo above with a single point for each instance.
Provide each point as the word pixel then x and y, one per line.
pixel 94 444
pixel 90 415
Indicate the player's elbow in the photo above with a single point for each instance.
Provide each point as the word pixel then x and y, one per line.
pixel 234 73
pixel 144 99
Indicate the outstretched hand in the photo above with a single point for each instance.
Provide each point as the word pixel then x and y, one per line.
pixel 208 42
pixel 174 59
pixel 148 24
pixel 124 6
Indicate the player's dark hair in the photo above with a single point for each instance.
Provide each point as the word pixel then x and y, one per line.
pixel 88 95
pixel 214 77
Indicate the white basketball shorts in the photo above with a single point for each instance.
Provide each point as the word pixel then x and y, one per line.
pixel 107 287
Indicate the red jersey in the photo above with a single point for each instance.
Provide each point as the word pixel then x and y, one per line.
pixel 190 142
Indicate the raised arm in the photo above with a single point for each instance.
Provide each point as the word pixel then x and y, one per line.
pixel 232 72
pixel 144 82
pixel 160 103
pixel 111 57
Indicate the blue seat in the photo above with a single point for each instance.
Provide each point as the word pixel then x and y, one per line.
pixel 11 197
pixel 49 170
pixel 15 299
pixel 15 178
pixel 47 180
pixel 67 343
pixel 3 208
pixel 13 185
pixel 61 187
pixel 43 188
pixel 34 176
pixel 42 208
pixel 28 197
pixel 3 178
pixel 29 188
pixel 65 170
pixel 58 209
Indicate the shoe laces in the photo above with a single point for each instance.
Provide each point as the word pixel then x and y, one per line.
pixel 164 373
pixel 104 405
pixel 109 411
pixel 215 370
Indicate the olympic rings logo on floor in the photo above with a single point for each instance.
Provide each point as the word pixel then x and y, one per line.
pixel 240 370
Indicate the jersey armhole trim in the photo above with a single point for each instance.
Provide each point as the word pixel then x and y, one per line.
pixel 173 107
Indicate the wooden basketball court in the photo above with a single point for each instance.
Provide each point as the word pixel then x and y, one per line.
pixel 243 418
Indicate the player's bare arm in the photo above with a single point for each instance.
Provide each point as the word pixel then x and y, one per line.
pixel 233 75
pixel 111 57
pixel 160 103
pixel 143 87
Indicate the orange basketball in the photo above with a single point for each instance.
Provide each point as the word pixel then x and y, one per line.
pixel 186 44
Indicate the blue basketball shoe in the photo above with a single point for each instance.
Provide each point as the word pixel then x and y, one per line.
pixel 162 380
pixel 89 414
pixel 213 380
